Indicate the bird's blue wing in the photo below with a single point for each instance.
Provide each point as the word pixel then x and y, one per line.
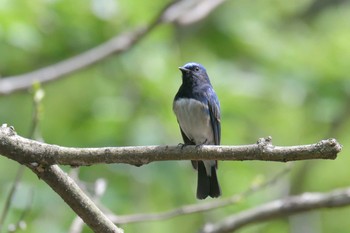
pixel 214 111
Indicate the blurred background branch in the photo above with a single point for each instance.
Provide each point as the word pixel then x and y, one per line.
pixel 181 12
pixel 200 207
pixel 280 208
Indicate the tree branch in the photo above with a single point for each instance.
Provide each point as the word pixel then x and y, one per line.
pixel 28 151
pixel 280 208
pixel 70 192
pixel 180 12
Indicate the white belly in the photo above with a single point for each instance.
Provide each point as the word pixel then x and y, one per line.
pixel 194 120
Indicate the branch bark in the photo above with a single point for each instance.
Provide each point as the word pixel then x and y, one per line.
pixel 280 208
pixel 70 192
pixel 28 151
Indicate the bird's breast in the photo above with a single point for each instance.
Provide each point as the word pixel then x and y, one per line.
pixel 194 120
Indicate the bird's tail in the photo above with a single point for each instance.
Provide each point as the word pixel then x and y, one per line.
pixel 207 184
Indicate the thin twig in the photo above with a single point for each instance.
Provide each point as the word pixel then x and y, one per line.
pixel 38 95
pixel 8 201
pixel 77 225
pixel 19 223
pixel 280 208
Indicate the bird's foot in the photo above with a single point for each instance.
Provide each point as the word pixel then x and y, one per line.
pixel 182 145
pixel 200 145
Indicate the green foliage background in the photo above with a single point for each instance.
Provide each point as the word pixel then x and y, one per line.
pixel 280 68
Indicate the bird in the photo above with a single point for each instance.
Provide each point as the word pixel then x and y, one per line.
pixel 197 109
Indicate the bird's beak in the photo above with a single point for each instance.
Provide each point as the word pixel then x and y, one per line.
pixel 183 69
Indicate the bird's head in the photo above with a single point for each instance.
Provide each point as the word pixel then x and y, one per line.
pixel 194 73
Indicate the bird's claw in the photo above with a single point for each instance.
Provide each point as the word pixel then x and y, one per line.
pixel 182 145
pixel 200 145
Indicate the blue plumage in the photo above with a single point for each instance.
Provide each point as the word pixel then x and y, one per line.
pixel 197 109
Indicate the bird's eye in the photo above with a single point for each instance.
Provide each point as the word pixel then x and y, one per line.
pixel 196 68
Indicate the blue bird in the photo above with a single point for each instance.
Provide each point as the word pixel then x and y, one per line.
pixel 197 110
